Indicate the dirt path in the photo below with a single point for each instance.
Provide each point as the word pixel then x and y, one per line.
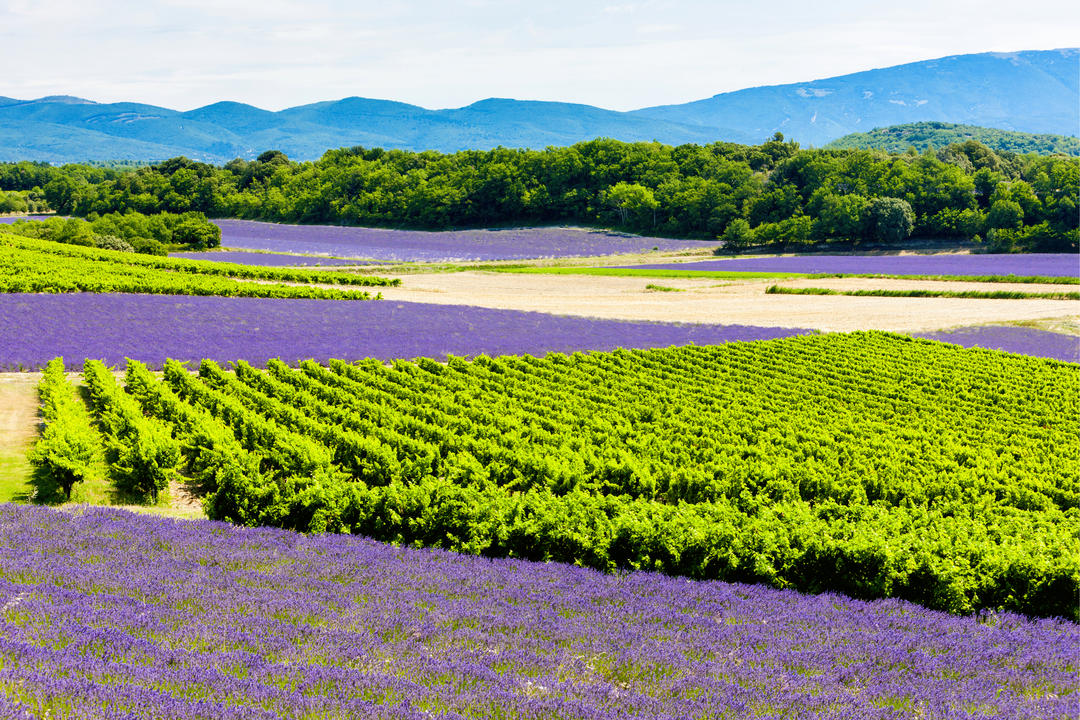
pixel 18 427
pixel 708 300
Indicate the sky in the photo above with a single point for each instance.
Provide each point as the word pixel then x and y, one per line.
pixel 274 54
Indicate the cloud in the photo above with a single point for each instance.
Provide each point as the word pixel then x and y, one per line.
pixel 447 53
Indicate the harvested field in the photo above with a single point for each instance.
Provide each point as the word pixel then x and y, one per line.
pixel 739 302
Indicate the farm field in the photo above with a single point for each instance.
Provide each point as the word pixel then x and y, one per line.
pixel 1024 265
pixel 206 620
pixel 29 265
pixel 1020 340
pixel 408 380
pixel 151 328
pixel 7 219
pixel 443 246
pixel 729 300
pixel 871 464
pixel 263 259
pixel 867 464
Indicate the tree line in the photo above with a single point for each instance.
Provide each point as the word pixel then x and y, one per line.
pixel 773 194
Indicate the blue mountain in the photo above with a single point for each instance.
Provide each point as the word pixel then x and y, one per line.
pixel 1033 91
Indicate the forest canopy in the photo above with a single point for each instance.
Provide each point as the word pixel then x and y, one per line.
pixel 933 135
pixel 770 194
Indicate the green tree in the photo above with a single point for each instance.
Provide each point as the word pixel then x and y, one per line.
pixel 738 234
pixel 1005 215
pixel 632 201
pixel 199 234
pixel 890 219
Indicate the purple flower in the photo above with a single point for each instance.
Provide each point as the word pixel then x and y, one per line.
pixel 1021 340
pixel 34 328
pixel 418 245
pixel 111 614
pixel 1044 264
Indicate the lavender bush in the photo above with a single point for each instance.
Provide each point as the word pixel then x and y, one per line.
pixel 34 328
pixel 261 258
pixel 1021 340
pixel 109 614
pixel 417 245
pixel 1045 264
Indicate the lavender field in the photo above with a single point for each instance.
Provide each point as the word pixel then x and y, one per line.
pixel 37 327
pixel 110 614
pixel 1020 340
pixel 262 258
pixel 417 245
pixel 1044 264
pixel 12 218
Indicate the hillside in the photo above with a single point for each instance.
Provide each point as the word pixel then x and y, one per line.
pixel 1034 92
pixel 933 135
pixel 52 131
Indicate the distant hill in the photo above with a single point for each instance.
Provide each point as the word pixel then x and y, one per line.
pixel 933 135
pixel 1035 91
pixel 65 131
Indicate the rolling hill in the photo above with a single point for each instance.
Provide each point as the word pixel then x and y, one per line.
pixel 933 135
pixel 1034 91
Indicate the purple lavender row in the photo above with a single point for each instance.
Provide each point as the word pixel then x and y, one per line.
pixel 34 328
pixel 264 259
pixel 12 218
pixel 112 614
pixel 418 245
pixel 1044 264
pixel 1020 340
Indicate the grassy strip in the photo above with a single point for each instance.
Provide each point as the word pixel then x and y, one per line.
pixel 663 288
pixel 980 294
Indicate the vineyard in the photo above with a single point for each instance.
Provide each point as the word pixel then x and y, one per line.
pixel 29 265
pixel 870 464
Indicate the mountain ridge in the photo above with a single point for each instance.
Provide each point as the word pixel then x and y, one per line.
pixel 1029 91
pixel 1002 90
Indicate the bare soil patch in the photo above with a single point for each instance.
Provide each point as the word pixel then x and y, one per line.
pixel 733 302
pixel 18 428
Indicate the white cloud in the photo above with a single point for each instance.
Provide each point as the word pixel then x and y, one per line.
pixel 444 53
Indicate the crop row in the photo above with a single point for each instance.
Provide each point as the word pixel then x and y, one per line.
pixel 34 266
pixel 196 267
pixel 870 464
